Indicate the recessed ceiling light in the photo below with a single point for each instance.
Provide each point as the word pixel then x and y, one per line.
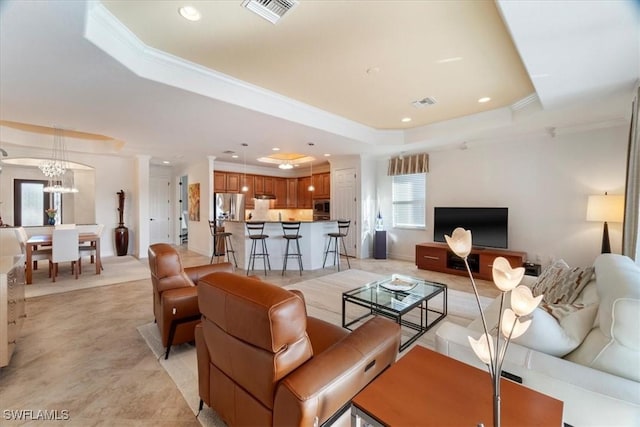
pixel 189 13
pixel 406 119
pixel 166 162
pixel 275 149
pixel 483 100
pixel 327 155
pixel 235 156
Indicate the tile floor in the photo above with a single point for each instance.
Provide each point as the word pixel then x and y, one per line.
pixel 80 352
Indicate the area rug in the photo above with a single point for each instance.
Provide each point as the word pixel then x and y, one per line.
pixel 116 269
pixel 323 297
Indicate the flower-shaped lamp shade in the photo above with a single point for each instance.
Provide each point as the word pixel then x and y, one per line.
pixel 512 326
pixel 523 301
pixel 483 348
pixel 505 277
pixel 460 242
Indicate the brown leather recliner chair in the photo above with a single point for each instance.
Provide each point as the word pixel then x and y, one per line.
pixel 175 298
pixel 262 361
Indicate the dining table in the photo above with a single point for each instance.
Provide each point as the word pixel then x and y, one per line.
pixel 38 240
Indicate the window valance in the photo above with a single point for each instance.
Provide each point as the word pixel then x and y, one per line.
pixel 410 164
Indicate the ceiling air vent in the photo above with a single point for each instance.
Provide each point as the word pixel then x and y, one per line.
pixel 271 10
pixel 524 102
pixel 425 102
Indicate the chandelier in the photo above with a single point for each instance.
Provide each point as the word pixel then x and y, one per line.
pixel 56 169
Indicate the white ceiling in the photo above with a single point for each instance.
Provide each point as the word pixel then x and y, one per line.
pixel 72 64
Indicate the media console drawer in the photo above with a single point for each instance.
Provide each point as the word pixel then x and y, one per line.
pixel 430 258
pixel 438 257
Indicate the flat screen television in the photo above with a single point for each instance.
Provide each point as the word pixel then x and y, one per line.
pixel 488 225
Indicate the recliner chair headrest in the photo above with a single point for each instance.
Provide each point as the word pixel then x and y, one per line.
pixel 254 311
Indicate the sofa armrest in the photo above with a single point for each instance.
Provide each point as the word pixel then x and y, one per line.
pixel 323 334
pixel 202 354
pixel 177 303
pixel 590 396
pixel 325 383
pixel 197 272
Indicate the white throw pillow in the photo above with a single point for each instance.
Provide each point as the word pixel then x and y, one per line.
pixel 546 333
pixel 558 337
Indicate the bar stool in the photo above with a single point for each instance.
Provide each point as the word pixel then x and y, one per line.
pixel 291 232
pixel 343 230
pixel 226 245
pixel 255 230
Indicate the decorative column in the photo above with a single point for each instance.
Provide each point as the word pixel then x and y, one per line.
pixel 122 232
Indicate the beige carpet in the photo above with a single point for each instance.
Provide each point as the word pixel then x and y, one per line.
pixel 324 300
pixel 116 269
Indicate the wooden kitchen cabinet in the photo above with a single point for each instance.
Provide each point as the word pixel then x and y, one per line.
pixel 304 195
pixel 220 182
pixel 269 185
pixel 258 183
pixel 233 182
pixel 280 191
pixel 292 193
pixel 322 183
pixel 226 182
pixel 249 181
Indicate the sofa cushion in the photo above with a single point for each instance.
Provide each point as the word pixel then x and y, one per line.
pixel 548 334
pixel 561 284
pixel 613 345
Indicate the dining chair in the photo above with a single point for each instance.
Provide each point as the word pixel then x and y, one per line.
pixel 36 254
pixel 90 248
pixel 65 249
pixel 64 226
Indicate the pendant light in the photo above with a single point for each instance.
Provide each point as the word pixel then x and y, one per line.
pixel 56 169
pixel 311 187
pixel 244 188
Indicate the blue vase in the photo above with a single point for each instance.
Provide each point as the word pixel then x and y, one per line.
pixel 52 221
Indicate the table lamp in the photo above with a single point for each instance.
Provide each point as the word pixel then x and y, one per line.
pixel 608 209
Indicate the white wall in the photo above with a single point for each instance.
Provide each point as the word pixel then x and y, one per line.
pixel 543 180
pixel 199 234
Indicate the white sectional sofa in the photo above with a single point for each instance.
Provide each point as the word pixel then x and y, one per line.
pixel 599 381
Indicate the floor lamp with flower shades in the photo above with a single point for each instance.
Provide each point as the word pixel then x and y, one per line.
pixel 607 208
pixel 513 321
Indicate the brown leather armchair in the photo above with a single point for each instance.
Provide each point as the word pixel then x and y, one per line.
pixel 175 298
pixel 262 361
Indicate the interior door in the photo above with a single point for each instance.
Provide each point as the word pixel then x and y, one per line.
pixel 160 210
pixel 344 204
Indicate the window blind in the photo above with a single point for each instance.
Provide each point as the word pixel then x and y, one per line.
pixel 408 200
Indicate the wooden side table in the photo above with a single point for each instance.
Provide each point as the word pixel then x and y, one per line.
pixel 426 388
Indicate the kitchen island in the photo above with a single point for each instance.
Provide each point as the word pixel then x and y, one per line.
pixel 312 244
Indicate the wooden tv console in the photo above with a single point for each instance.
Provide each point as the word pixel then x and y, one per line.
pixel 438 257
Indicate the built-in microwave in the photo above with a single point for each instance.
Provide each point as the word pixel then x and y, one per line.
pixel 321 207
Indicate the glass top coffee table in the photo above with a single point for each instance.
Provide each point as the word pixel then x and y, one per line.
pixel 402 298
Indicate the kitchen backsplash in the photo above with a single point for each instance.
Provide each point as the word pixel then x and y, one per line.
pixel 279 214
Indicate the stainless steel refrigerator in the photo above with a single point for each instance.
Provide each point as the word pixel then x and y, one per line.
pixel 228 206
